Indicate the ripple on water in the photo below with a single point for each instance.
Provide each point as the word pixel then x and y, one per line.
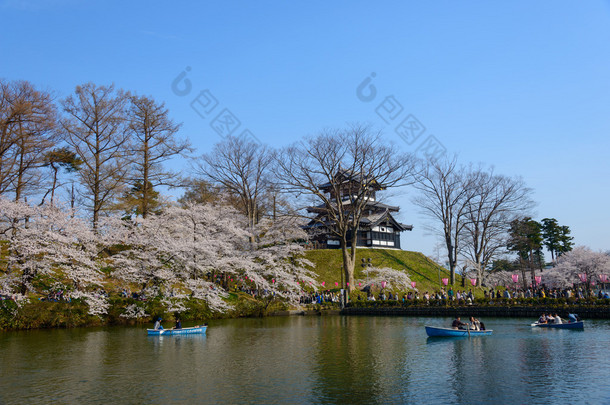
pixel 309 360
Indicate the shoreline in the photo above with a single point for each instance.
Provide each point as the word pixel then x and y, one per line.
pixel 584 312
pixel 67 319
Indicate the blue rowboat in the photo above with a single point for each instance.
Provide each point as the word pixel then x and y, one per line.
pixel 433 331
pixel 183 331
pixel 567 325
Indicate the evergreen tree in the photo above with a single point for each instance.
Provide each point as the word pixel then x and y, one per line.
pixel 525 239
pixel 565 241
pixel 556 238
pixel 132 200
pixel 61 158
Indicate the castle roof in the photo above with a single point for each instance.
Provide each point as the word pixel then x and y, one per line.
pixel 367 221
pixel 371 204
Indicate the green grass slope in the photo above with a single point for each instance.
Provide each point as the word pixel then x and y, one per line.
pixel 420 269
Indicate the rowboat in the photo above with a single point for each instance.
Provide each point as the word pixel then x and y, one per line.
pixel 183 331
pixel 434 331
pixel 574 322
pixel 567 325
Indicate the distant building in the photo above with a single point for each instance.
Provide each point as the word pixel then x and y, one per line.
pixel 378 227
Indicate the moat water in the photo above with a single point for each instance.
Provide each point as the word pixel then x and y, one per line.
pixel 309 360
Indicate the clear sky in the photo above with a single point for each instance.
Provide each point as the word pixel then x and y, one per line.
pixel 523 86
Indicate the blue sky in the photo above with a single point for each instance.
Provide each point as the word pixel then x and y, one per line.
pixel 523 86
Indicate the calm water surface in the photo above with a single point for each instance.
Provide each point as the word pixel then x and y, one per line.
pixel 309 360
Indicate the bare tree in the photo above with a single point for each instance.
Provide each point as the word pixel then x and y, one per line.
pixel 241 168
pixel 496 200
pixel 8 119
pixel 95 127
pixel 154 142
pixel 27 131
pixel 445 191
pixel 352 164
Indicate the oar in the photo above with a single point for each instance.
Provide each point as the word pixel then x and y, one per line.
pixel 468 325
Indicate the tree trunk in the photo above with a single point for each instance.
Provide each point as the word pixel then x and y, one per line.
pixel 349 259
pixel 145 181
pixel 451 260
pixel 55 169
pixel 96 185
pixel 523 276
pixel 20 169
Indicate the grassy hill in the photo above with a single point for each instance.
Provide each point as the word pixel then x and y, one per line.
pixel 419 268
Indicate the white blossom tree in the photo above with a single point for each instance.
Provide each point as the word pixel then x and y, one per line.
pixel 54 244
pixel 182 252
pixel 396 279
pixel 580 261
pixel 278 256
pixel 174 256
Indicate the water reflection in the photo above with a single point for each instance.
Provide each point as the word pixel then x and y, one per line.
pixel 308 360
pixel 348 355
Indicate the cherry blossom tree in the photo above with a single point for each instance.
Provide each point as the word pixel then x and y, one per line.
pixel 191 252
pixel 580 261
pixel 180 254
pixel 171 253
pixel 394 278
pixel 54 245
pixel 278 256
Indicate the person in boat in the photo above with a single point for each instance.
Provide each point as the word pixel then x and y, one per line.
pixel 550 318
pixel 158 325
pixel 457 323
pixel 474 323
pixel 542 318
pixel 573 318
pixel 178 324
pixel 558 320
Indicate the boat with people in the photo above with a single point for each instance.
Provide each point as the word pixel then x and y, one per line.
pixel 434 331
pixel 459 329
pixel 200 329
pixel 574 322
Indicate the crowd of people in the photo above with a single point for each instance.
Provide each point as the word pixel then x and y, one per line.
pixel 323 297
pixel 543 292
pixel 490 295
